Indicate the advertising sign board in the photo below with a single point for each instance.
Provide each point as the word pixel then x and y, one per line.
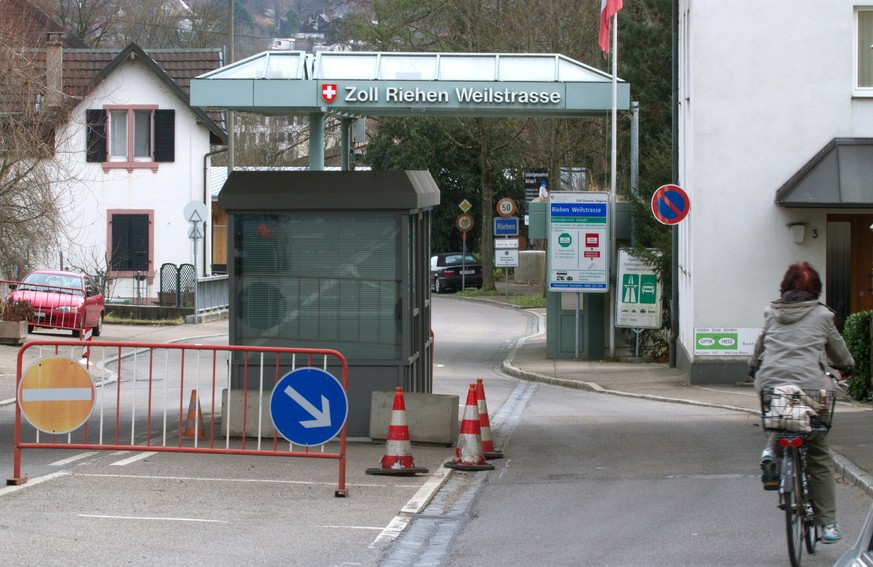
pixel 725 341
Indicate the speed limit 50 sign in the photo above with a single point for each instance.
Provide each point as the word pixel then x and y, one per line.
pixel 506 207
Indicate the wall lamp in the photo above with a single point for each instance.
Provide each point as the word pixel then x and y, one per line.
pixel 798 231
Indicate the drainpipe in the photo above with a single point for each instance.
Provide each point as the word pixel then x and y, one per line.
pixel 674 230
pixel 207 198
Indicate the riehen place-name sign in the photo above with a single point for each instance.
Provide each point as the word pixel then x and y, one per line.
pixel 458 95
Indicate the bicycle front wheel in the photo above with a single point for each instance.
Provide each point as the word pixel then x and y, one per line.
pixel 792 502
pixel 811 537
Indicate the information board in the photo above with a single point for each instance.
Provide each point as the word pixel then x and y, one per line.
pixel 638 299
pixel 578 241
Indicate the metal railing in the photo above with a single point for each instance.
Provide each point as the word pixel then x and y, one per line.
pixel 212 294
pixel 162 398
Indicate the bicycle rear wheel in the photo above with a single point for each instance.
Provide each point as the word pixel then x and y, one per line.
pixel 792 502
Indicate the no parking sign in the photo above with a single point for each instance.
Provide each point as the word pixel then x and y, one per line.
pixel 670 204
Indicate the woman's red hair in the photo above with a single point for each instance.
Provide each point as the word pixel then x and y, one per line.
pixel 801 277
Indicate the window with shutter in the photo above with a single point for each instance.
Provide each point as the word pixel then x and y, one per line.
pixel 131 137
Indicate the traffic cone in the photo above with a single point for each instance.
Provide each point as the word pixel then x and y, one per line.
pixel 468 454
pixel 397 459
pixel 485 424
pixel 194 424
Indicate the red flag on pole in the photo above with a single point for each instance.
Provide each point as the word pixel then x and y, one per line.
pixel 608 8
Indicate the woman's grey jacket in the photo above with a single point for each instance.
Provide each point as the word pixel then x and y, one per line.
pixel 798 339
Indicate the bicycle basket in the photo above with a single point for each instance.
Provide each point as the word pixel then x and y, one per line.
pixel 790 408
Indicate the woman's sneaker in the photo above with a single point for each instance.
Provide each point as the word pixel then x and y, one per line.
pixel 831 533
pixel 770 470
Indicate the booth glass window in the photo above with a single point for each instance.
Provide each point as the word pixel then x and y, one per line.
pixel 326 279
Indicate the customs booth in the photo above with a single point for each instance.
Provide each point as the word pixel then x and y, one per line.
pixel 337 260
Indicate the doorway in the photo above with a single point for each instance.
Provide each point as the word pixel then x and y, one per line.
pixel 849 276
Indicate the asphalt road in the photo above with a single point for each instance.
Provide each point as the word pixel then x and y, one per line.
pixel 587 479
pixel 136 508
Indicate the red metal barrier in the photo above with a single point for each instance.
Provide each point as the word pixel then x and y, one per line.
pixel 55 306
pixel 146 386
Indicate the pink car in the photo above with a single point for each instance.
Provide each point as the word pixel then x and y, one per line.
pixel 62 300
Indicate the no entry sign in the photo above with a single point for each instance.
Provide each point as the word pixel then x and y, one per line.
pixel 670 204
pixel 56 394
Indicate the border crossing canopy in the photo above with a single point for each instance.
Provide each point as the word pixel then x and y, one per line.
pixel 354 84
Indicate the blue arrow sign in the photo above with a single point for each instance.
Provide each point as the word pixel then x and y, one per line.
pixel 309 407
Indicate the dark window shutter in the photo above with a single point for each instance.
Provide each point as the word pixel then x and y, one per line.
pixel 130 242
pixel 139 240
pixel 120 242
pixel 165 135
pixel 96 137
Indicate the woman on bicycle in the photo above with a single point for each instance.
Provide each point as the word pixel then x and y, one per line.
pixel 798 340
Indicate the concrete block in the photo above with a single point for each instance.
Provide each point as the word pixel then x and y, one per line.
pixel 531 266
pixel 232 414
pixel 432 418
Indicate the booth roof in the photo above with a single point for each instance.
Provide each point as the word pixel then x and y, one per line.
pixel 332 190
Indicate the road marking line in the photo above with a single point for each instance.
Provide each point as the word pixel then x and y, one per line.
pixel 152 519
pixel 392 531
pixel 133 459
pixel 354 527
pixel 34 482
pixel 424 495
pixel 72 459
pixel 414 506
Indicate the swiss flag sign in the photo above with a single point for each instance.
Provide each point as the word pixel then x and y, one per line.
pixel 328 92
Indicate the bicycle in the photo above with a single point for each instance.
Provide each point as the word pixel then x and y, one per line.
pixel 797 415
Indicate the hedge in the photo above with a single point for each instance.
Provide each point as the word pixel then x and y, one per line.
pixel 856 333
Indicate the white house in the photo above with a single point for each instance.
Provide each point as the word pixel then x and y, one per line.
pixel 776 154
pixel 138 153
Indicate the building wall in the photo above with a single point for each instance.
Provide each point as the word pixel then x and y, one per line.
pixel 763 87
pixel 165 192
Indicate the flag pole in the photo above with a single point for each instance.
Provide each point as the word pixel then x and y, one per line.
pixel 612 182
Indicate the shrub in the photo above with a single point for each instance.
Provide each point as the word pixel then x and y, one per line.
pixel 856 333
pixel 16 311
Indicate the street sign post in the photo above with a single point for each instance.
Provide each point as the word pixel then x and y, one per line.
pixel 56 394
pixel 309 407
pixel 578 241
pixel 670 204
